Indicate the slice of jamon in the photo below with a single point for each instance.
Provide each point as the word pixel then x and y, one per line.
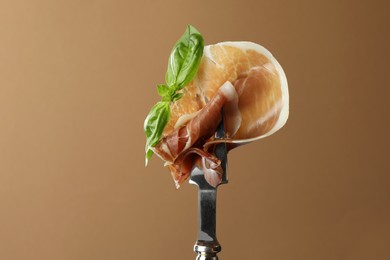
pixel 243 80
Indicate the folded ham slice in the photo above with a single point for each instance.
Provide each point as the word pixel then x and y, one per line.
pixel 245 81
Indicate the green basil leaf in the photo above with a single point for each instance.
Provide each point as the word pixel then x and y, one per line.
pixel 185 58
pixel 154 125
pixel 162 90
pixel 149 153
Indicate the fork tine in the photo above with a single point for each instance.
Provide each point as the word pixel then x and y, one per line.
pixel 221 149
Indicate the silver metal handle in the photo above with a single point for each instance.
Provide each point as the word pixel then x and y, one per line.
pixel 207 250
pixel 207 245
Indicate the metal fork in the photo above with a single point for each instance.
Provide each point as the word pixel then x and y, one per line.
pixel 207 246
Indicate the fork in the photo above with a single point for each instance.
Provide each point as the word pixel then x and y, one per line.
pixel 207 246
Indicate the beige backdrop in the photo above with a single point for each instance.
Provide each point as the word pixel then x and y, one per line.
pixel 77 79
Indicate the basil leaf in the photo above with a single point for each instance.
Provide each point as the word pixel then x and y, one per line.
pixel 163 90
pixel 185 58
pixel 154 125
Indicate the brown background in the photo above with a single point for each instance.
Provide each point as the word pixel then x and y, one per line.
pixel 77 79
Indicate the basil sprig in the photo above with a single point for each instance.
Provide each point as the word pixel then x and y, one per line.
pixel 183 65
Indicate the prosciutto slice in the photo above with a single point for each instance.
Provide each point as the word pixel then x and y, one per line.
pixel 245 81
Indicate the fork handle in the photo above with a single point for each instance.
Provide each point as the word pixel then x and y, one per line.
pixel 207 251
pixel 207 257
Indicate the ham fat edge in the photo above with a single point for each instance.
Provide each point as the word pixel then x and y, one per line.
pixel 243 79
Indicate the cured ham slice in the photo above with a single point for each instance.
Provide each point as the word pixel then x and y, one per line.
pixel 245 81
